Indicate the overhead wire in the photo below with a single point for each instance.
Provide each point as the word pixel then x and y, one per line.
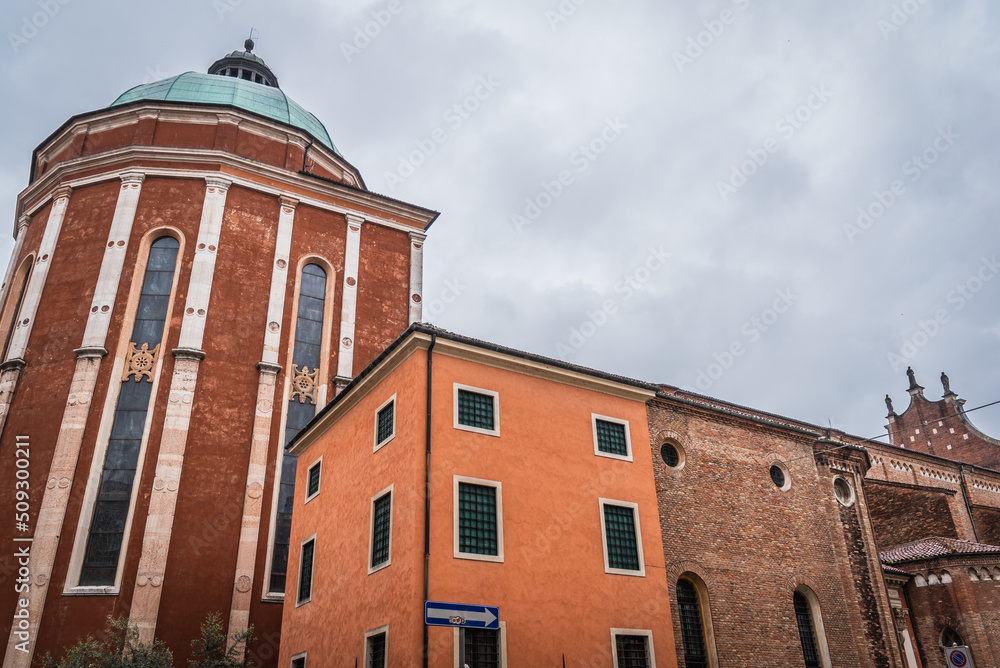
pixel 870 439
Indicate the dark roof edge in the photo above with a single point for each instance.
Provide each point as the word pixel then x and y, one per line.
pixel 445 334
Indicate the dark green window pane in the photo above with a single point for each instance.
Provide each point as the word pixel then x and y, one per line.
pixel 631 651
pixel 380 530
pixel 611 438
pixel 312 487
pixel 385 422
pixel 308 330
pixel 152 307
pixel 619 527
pixel 477 519
pixel 306 571
pixel 313 285
pixel 482 648
pixel 310 308
pixel 475 410
pixel 158 283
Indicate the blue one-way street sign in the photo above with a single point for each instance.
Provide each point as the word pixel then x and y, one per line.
pixel 461 614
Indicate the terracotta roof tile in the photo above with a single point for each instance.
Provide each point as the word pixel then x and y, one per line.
pixel 932 548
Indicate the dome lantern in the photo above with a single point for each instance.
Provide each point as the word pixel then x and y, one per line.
pixel 245 65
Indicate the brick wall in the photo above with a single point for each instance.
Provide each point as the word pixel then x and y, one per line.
pixel 902 513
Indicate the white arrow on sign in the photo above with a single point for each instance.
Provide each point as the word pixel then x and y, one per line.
pixel 485 616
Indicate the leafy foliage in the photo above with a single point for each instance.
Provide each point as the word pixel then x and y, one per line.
pixel 213 650
pixel 120 649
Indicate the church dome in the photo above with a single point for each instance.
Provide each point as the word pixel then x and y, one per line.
pixel 233 81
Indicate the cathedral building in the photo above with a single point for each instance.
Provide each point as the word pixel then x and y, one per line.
pixel 197 270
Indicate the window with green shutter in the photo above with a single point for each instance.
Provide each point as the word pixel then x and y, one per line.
pixel 476 410
pixel 477 519
pixel 306 571
pixel 385 423
pixel 312 484
pixel 612 437
pixel 619 527
pixel 381 527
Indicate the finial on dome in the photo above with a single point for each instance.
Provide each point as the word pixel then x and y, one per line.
pixel 248 45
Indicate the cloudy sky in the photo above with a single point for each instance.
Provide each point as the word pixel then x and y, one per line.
pixel 778 204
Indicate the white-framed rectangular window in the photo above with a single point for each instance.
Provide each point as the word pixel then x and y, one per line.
pixel 299 660
pixel 622 538
pixel 478 519
pixel 632 648
pixel 477 410
pixel 307 555
pixel 313 479
pixel 611 437
pixel 385 423
pixel 484 648
pixel 376 647
pixel 380 536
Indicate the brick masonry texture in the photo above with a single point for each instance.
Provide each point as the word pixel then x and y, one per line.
pixel 724 520
pixel 905 513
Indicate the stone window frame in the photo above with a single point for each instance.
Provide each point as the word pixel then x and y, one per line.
pixel 312 572
pixel 15 298
pixel 602 502
pixel 322 381
pixel 851 498
pixel 704 609
pixel 301 656
pixel 495 558
pixel 388 491
pixel 496 409
pixel 681 453
pixel 71 587
pixel 456 659
pixel 784 470
pixel 371 633
pixel 647 633
pixel 627 457
pixel 319 482
pixel 378 445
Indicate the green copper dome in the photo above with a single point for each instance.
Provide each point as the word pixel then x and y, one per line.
pixel 263 100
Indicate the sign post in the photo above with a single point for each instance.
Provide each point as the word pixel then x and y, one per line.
pixel 461 615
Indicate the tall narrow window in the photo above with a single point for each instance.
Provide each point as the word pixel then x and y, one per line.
pixel 301 407
pixel 807 633
pixel 692 629
pixel 375 650
pixel 306 570
pixel 16 311
pixel 114 493
pixel 381 538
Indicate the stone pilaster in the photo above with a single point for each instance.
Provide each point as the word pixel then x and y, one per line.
pixel 416 276
pixel 177 418
pixel 58 486
pixel 348 313
pixel 246 557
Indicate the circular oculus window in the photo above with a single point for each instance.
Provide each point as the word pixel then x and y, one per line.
pixel 779 476
pixel 672 455
pixel 843 491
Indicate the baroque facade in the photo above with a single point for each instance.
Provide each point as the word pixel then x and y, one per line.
pixel 197 269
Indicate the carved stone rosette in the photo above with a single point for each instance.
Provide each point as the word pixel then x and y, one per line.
pixel 140 362
pixel 304 384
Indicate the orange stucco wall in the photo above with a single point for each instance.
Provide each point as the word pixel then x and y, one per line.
pixel 554 595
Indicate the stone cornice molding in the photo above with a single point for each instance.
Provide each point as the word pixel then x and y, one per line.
pixel 133 177
pixel 268 367
pixel 189 354
pixel 95 352
pixel 273 181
